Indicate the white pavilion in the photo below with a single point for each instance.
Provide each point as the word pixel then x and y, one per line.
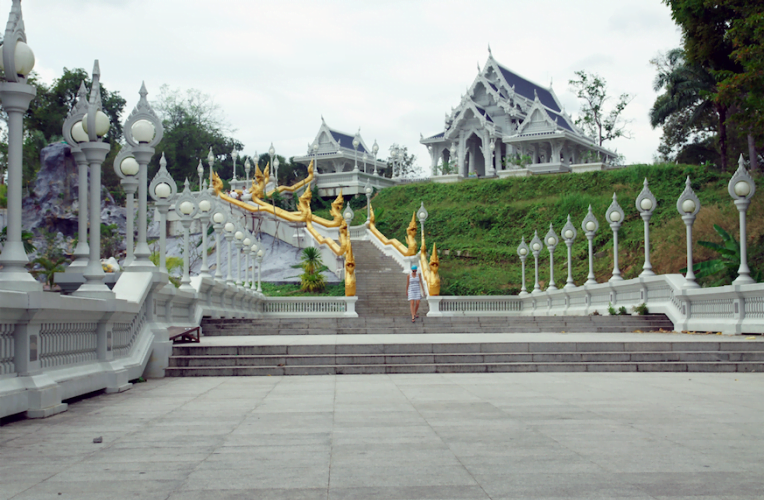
pixel 344 162
pixel 504 117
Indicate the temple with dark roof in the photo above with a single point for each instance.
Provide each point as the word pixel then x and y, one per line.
pixel 507 125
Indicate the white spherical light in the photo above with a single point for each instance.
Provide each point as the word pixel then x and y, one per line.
pixel 646 204
pixel 536 246
pixel 260 253
pixel 101 121
pixel 218 218
pixel 143 131
pixel 254 248
pixel 239 235
pixel 688 206
pixel 129 166
pixel 24 59
pixel 229 227
pixel 163 190
pixel 523 251
pixel 742 188
pixel 615 216
pixel 591 226
pixel 186 208
pixel 569 233
pixel 205 206
pixel 247 242
pixel 78 132
pixel 551 241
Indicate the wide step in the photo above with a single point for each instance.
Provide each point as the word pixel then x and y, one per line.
pixel 486 357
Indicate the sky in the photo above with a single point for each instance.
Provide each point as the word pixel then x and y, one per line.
pixel 391 67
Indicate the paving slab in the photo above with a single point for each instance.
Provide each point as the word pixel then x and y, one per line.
pixel 401 436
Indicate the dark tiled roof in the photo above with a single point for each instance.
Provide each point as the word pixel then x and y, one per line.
pixel 493 86
pixel 526 88
pixel 561 121
pixel 346 141
pixel 482 112
pixel 437 136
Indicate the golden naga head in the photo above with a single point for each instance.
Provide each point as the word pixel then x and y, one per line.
pixel 411 231
pixel 217 184
pixel 303 204
pixel 336 209
pixel 434 260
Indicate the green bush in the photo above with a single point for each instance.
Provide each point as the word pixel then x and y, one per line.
pixel 3 196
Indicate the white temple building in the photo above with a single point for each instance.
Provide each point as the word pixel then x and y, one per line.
pixel 344 162
pixel 504 117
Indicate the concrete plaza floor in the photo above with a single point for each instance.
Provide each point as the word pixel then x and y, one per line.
pixel 448 436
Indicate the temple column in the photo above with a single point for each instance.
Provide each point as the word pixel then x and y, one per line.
pixel 497 157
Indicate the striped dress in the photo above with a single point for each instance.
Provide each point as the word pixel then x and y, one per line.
pixel 415 289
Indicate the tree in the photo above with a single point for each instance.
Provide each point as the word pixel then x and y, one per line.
pixel 686 109
pixel 595 120
pixel 311 279
pixel 192 124
pixel 705 26
pixel 404 166
pixel 744 89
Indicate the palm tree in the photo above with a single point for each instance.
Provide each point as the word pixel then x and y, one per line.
pixel 688 86
pixel 311 280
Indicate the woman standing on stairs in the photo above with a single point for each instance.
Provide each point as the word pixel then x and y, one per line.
pixel 414 287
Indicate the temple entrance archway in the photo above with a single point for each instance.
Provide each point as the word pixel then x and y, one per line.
pixel 475 161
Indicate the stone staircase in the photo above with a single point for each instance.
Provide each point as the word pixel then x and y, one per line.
pixel 466 357
pixel 380 284
pixel 402 324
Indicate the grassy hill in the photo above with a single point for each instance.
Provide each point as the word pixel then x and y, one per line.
pixel 478 224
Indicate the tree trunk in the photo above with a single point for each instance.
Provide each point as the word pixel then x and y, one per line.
pixel 722 112
pixel 752 154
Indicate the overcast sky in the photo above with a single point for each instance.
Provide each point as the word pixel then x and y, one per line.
pixel 391 67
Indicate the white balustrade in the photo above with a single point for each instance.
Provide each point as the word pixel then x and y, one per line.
pixel 64 344
pixel 7 347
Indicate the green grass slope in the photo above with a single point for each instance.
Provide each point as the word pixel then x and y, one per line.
pixel 478 224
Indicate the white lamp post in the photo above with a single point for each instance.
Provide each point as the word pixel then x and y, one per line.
pixel 569 234
pixel 315 158
pixel 741 187
pixel 590 225
pixel 356 143
pixel 365 160
pixel 229 230
pixel 422 215
pixel 688 206
pixel 247 168
pixel 211 163
pixel 368 190
pixel 615 216
pixel 375 150
pixel 162 190
pixel 551 241
pixel 219 220
pixel 143 130
pixel 522 251
pixel 260 256
pixel 491 170
pixel 646 205
pixel 96 125
pixel 253 253
pixel 206 203
pixel 239 237
pixel 276 164
pixel 200 173
pixel 186 209
pixel 246 245
pixel 234 157
pixel 127 168
pixel 272 153
pixel 74 134
pixel 348 214
pixel 16 94
pixel 535 249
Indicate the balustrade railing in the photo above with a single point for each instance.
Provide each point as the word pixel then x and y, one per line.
pixel 124 334
pixel 64 344
pixel 318 306
pixel 7 348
